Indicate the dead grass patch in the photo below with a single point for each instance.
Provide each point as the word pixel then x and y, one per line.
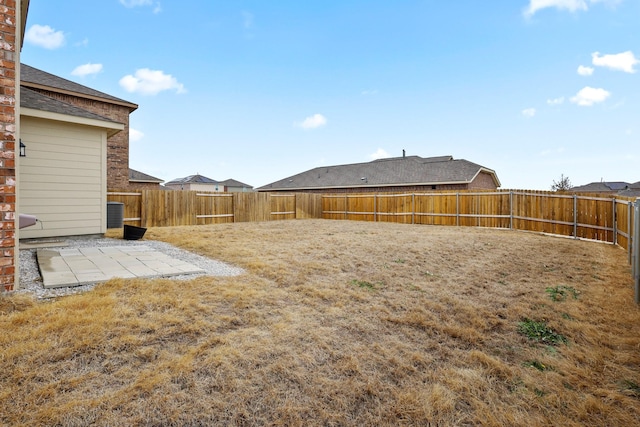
pixel 298 340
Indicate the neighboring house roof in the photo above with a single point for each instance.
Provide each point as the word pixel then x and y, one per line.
pixel 137 176
pixel 397 171
pixel 234 183
pixel 38 79
pixel 632 191
pixel 193 179
pixel 600 187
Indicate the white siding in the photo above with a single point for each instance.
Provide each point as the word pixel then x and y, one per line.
pixel 62 178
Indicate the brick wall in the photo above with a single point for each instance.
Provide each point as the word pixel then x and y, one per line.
pixel 117 145
pixel 8 58
pixel 483 181
pixel 143 186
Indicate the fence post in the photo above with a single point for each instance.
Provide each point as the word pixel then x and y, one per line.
pixel 510 210
pixel 346 207
pixel 615 222
pixel 636 249
pixel 457 209
pixel 375 208
pixel 143 208
pixel 413 208
pixel 575 216
pixel 630 238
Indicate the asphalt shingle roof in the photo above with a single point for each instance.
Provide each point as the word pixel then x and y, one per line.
pixel 193 179
pixel 234 183
pixel 37 101
pixel 135 175
pixel 599 187
pixel 632 191
pixel 409 170
pixel 33 76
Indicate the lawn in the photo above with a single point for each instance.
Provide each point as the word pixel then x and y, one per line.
pixel 338 323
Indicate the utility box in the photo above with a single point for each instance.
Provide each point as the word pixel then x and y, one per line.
pixel 115 214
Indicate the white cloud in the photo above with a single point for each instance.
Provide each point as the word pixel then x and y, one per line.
pixel 529 112
pixel 570 5
pixel 313 122
pixel 556 101
pixel 369 92
pixel 151 82
pixel 44 36
pixel 624 61
pixel 86 69
pixel 135 3
pixel 585 71
pixel 589 96
pixel 135 135
pixel 379 154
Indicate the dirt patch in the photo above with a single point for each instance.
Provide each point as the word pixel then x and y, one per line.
pixel 339 323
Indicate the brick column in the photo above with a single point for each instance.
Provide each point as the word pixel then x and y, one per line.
pixel 9 60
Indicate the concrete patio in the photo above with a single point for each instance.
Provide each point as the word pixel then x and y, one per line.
pixel 63 267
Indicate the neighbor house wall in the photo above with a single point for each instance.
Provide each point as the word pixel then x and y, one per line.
pixel 9 120
pixel 117 145
pixel 230 189
pixel 210 188
pixel 143 186
pixel 62 178
pixel 484 181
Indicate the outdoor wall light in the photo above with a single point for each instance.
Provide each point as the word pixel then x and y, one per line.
pixel 23 149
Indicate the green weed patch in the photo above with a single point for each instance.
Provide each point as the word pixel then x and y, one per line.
pixel 560 293
pixel 539 331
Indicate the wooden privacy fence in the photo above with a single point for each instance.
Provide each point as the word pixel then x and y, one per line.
pixel 609 219
pixel 606 219
pixel 161 208
pixel 594 218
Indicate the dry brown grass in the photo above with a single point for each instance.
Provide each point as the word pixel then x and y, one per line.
pixel 336 323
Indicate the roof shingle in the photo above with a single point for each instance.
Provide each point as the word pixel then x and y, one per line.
pixel 138 176
pixel 409 170
pixel 193 179
pixel 37 101
pixel 30 76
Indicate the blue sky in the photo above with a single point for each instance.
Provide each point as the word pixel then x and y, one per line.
pixel 261 90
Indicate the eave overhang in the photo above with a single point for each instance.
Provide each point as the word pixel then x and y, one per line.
pixel 111 127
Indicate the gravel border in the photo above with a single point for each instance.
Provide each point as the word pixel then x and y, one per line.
pixel 31 280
